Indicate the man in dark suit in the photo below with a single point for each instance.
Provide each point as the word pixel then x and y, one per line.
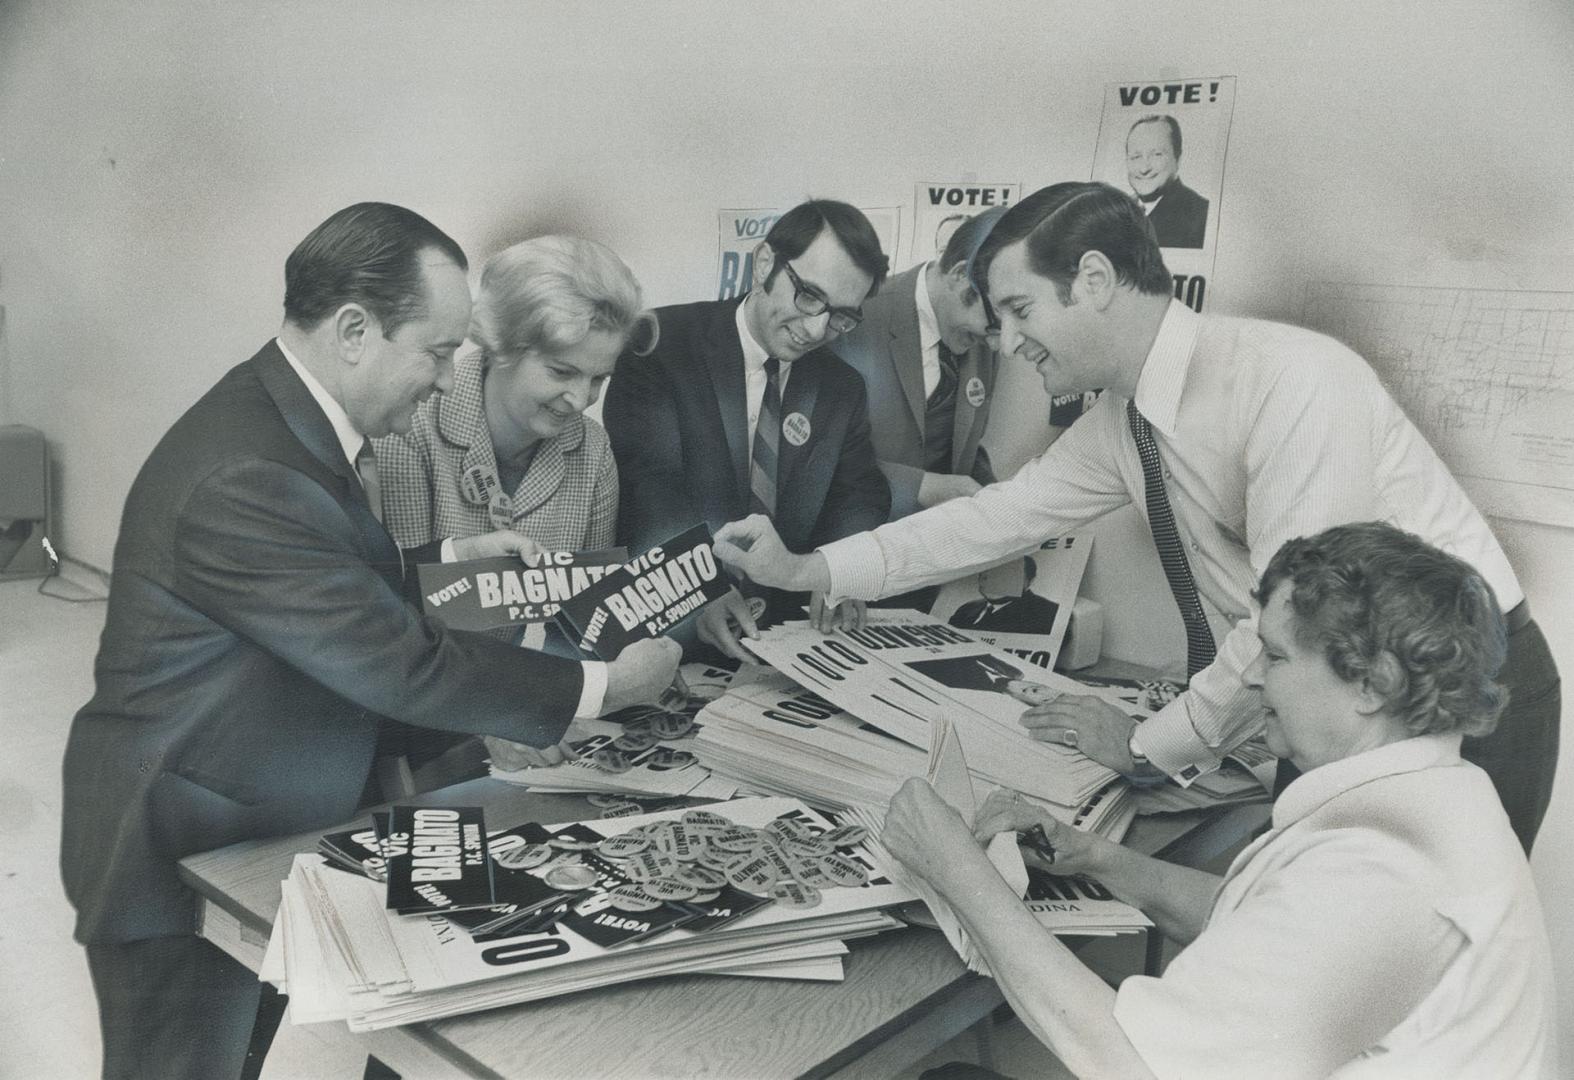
pixel 741 408
pixel 923 353
pixel 1179 215
pixel 257 634
pixel 1007 603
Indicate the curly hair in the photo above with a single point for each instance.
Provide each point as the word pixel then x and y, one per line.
pixel 1422 627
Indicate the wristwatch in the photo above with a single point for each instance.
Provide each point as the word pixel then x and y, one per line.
pixel 1143 772
pixel 1138 758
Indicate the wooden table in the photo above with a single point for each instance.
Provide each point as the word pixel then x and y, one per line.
pixel 905 992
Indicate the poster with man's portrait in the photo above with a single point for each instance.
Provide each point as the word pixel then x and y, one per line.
pixel 1022 604
pixel 739 232
pixel 1164 144
pixel 940 206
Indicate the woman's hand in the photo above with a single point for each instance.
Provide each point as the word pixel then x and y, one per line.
pixel 930 837
pixel 495 544
pixel 1075 852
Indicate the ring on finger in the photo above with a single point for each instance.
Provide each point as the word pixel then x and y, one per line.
pixel 1069 738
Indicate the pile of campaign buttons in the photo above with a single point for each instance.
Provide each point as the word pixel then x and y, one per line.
pixel 641 734
pixel 693 858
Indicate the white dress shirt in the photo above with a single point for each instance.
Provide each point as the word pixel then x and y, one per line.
pixel 928 334
pixel 1386 926
pixel 593 692
pixel 754 378
pixel 1266 432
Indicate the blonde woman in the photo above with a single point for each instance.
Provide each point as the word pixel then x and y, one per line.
pixel 509 446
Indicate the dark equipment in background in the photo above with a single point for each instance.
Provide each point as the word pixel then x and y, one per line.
pixel 24 503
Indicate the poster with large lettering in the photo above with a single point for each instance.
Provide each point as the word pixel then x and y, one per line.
pixel 646 597
pixel 940 206
pixel 479 594
pixel 1164 142
pixel 740 232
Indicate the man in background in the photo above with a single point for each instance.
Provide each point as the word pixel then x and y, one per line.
pixel 923 352
pixel 258 636
pixel 1178 214
pixel 743 408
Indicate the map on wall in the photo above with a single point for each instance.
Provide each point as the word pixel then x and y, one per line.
pixel 1487 375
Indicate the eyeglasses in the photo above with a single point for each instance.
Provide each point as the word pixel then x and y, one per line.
pixel 809 300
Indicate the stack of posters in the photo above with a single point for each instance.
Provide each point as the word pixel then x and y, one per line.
pixel 772 736
pixel 904 669
pixel 764 887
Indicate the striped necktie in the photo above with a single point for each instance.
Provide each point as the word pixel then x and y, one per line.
pixel 366 468
pixel 1200 648
pixel 767 440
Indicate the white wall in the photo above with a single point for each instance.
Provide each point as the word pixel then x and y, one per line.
pixel 159 160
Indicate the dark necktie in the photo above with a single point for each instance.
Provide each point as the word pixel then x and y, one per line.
pixel 366 467
pixel 1200 648
pixel 945 385
pixel 767 439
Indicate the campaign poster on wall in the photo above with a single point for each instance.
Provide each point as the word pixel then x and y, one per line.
pixel 1164 143
pixel 740 232
pixel 940 206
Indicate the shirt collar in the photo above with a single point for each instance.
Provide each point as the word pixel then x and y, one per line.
pixel 1163 377
pixel 754 354
pixel 349 439
pixel 1312 790
pixel 928 322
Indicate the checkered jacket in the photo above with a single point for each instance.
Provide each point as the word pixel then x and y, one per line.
pixel 568 500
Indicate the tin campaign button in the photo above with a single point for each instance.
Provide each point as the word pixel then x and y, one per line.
pixel 796 428
pixel 478 485
pixel 975 391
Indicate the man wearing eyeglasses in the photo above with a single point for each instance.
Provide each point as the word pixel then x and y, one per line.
pixel 924 353
pixel 742 408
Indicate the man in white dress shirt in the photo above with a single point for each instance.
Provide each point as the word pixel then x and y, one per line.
pixel 1233 435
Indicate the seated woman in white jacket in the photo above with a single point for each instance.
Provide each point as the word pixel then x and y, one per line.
pixel 1386 925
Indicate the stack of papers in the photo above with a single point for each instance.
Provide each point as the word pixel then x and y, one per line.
pixel 764 887
pixel 776 737
pixel 904 669
pixel 772 736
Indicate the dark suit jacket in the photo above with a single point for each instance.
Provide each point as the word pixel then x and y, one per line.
pixel 1029 613
pixel 256 633
pixel 679 425
pixel 1181 217
pixel 885 350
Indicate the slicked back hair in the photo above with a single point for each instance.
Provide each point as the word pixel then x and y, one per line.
pixel 1361 591
pixel 1063 222
pixel 795 230
pixel 367 254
